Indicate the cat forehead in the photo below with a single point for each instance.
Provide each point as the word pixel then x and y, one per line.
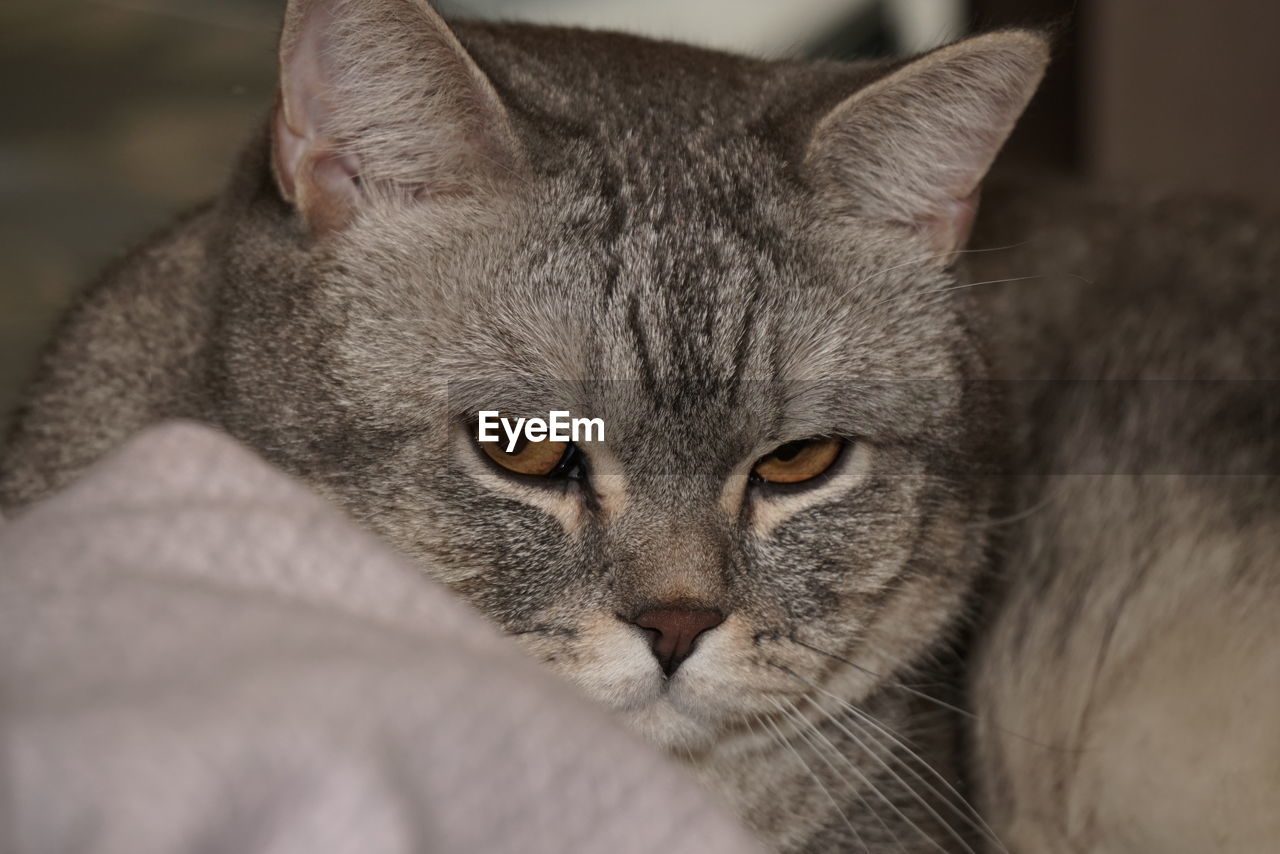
pixel 690 311
pixel 667 231
pixel 607 273
pixel 671 281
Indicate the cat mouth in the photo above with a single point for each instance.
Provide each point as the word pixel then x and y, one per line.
pixel 666 690
pixel 665 697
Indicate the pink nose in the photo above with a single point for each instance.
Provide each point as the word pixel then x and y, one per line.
pixel 675 630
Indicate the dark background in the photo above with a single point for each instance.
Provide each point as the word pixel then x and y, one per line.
pixel 115 114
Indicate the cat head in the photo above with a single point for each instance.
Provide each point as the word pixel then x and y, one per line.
pixel 743 268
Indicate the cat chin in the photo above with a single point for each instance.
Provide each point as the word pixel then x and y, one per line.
pixel 662 724
pixel 686 715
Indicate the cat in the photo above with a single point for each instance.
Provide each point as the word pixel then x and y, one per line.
pixel 1127 687
pixel 753 272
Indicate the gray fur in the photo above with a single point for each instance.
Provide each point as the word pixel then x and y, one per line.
pixel 1128 687
pixel 716 255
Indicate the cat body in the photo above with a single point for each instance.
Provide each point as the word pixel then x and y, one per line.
pixel 1127 692
pixel 720 257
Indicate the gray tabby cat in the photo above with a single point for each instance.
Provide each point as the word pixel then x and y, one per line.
pixel 747 269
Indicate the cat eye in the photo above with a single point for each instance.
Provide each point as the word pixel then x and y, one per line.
pixel 538 459
pixel 796 462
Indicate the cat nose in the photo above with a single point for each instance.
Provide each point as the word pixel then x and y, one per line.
pixel 675 630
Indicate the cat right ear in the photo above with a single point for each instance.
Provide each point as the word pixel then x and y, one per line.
pixel 911 148
pixel 379 99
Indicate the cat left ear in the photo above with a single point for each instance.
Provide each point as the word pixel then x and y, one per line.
pixel 912 147
pixel 379 98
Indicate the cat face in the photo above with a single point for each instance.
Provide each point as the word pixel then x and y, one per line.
pixel 784 505
pixel 703 349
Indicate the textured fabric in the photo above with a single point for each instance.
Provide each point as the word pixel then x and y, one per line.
pixel 197 654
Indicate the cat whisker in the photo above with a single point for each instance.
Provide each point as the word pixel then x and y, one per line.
pixel 777 735
pixel 886 680
pixel 875 756
pixel 820 749
pixel 924 259
pixel 965 285
pixel 826 744
pixel 965 810
pixel 959 287
pixel 1050 497
pixel 796 714
pixel 942 704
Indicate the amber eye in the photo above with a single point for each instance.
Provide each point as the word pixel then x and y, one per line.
pixel 533 458
pixel 798 461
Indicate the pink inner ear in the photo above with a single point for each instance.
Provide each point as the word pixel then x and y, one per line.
pixel 336 174
pixel 949 228
pixel 322 184
pixel 355 76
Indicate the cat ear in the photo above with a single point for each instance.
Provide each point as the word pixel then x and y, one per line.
pixel 912 147
pixel 378 98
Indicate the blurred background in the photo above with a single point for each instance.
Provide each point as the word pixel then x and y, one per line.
pixel 116 114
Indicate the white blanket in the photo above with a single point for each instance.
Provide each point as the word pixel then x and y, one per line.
pixel 199 655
